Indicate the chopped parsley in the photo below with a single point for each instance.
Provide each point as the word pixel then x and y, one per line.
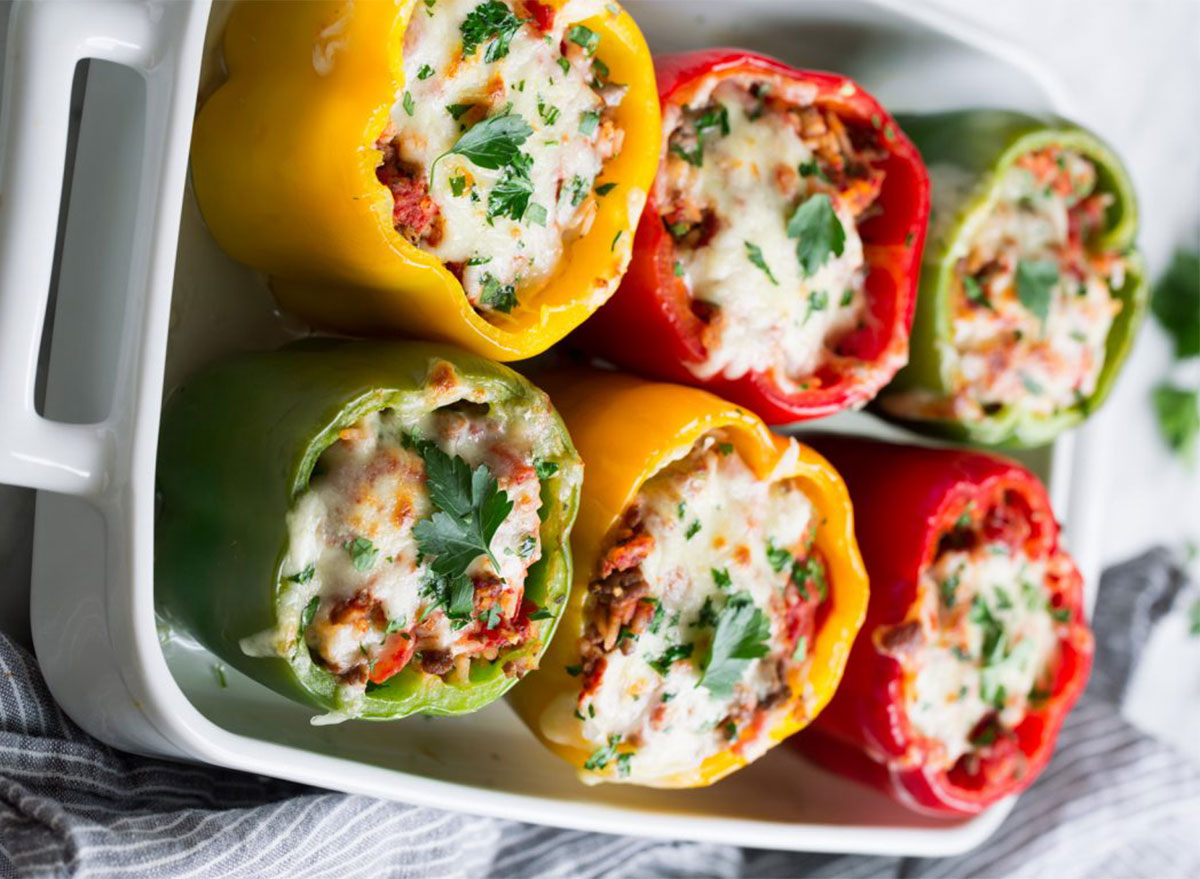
pixel 801 651
pixel 302 576
pixel 670 656
pixel 818 233
pixel 810 570
pixel 493 143
pixel 741 635
pixel 536 214
pixel 602 756
pixel 544 469
pixel 425 72
pixel 457 110
pixel 755 255
pixel 548 112
pixel 948 588
pixel 623 761
pixel 975 292
pixel 565 65
pixel 584 37
pixel 812 169
pixel 458 185
pixel 491 21
pixel 656 621
pixel 721 578
pixel 398 624
pixel 605 188
pixel 542 613
pixel 510 196
pixel 409 102
pixel 725 448
pixel 777 557
pixel 490 617
pixel 847 297
pixel 362 553
pixel 574 670
pixel 310 611
pixel 589 120
pixel 692 530
pixel 501 297
pixel 577 189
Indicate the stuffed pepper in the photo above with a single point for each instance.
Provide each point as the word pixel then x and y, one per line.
pixel 1031 289
pixel 384 531
pixel 776 261
pixel 975 646
pixel 464 170
pixel 717 588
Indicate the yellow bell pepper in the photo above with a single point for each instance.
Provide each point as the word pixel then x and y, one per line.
pixel 284 162
pixel 626 430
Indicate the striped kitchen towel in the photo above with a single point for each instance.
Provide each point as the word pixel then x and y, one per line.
pixel 1112 803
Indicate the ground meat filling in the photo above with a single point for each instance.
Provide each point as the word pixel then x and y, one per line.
pixel 762 192
pixel 700 616
pixel 1032 297
pixel 500 221
pixel 982 648
pixel 362 536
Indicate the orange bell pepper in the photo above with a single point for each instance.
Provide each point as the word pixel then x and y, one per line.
pixel 626 430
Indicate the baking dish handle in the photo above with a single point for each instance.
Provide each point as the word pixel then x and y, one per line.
pixel 46 41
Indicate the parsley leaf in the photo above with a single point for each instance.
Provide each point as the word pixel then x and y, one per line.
pixel 721 578
pixel 741 635
pixel 605 188
pixel 362 553
pixel 1178 419
pixel 493 143
pixel 489 21
pixel 818 231
pixel 470 507
pixel 1176 302
pixel 812 169
pixel 458 185
pixel 755 255
pixel 692 530
pixel 410 103
pixel 1035 285
pixel 510 196
pixel 544 469
pixel 548 112
pixel 425 72
pixel 536 213
pixel 501 297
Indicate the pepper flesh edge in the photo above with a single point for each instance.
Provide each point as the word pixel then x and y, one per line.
pixel 649 328
pixel 238 444
pixel 314 216
pixel 626 430
pixel 906 497
pixel 985 143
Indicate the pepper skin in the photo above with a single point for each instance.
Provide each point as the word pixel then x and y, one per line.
pixel 980 145
pixel 626 430
pixel 238 445
pixel 284 163
pixel 906 497
pixel 649 327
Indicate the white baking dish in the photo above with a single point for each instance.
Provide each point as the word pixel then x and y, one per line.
pixel 143 296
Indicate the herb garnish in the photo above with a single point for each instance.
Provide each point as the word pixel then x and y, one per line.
pixel 544 469
pixel 778 557
pixel 510 196
pixel 493 143
pixel 1035 285
pixel 975 292
pixel 692 529
pixel 670 656
pixel 818 231
pixel 741 636
pixel 302 576
pixel 469 507
pixel 501 297
pixel 489 21
pixel 310 611
pixel 362 553
pixel 755 255
pixel 604 189
pixel 589 120
pixel 425 72
pixel 721 578
pixel 584 37
pixel 602 756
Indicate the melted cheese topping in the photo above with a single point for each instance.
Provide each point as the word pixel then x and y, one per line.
pixel 565 148
pixel 988 640
pixel 709 516
pixel 783 327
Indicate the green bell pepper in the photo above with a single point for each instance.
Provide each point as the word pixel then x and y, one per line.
pixel 968 152
pixel 237 448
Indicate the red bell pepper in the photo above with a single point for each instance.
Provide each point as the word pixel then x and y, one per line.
pixel 907 500
pixel 650 327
